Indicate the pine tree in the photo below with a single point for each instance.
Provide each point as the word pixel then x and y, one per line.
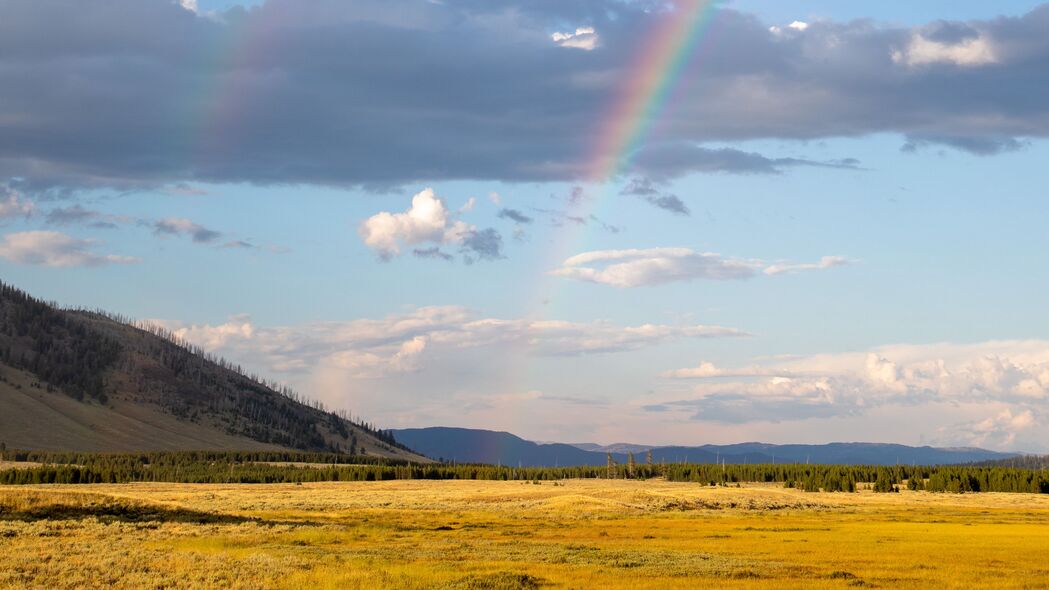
pixel 631 466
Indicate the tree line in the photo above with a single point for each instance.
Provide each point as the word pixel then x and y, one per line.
pixel 281 467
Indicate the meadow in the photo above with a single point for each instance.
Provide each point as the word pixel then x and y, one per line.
pixel 592 533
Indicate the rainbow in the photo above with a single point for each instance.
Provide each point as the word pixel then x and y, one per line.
pixel 649 85
pixel 667 49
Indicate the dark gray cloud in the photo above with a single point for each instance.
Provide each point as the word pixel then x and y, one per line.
pixel 979 146
pixel 949 32
pixel 433 252
pixel 514 215
pixel 196 232
pixel 646 189
pixel 78 215
pixel 559 218
pixel 137 93
pixel 485 244
pixel 668 160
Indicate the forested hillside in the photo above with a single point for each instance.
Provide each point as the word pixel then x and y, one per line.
pixel 1019 462
pixel 80 380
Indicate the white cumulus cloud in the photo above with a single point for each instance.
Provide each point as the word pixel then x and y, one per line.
pixel 1010 376
pixel 998 430
pixel 426 221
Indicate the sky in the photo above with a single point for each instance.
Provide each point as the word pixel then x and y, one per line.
pixel 651 221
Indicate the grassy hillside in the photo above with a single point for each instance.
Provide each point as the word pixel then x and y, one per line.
pixel 77 380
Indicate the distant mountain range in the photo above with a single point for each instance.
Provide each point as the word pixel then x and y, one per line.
pixel 466 445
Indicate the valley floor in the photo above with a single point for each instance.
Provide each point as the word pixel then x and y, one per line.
pixel 495 535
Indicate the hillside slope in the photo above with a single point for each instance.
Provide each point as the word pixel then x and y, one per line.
pixel 75 380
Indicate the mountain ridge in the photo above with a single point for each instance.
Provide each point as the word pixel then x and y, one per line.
pixel 467 445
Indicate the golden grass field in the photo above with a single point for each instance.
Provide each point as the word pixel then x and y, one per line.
pixel 495 535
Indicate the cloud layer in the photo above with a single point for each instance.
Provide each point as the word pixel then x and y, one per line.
pixel 1014 373
pixel 372 348
pixel 342 93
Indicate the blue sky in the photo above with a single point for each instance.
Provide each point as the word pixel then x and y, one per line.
pixel 835 233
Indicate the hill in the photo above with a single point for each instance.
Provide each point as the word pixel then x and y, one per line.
pixel 1019 462
pixel 485 446
pixel 82 380
pixel 464 445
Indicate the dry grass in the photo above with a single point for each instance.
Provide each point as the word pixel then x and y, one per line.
pixel 18 465
pixel 496 535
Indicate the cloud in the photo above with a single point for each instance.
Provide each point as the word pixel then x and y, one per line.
pixel 514 215
pixel 172 226
pixel 972 51
pixel 78 215
pixel 673 159
pixel 583 38
pixel 849 384
pixel 654 266
pixel 213 337
pixel 179 226
pixel 997 431
pixel 645 188
pixel 824 263
pixel 472 90
pixel 485 244
pixel 797 25
pixel 54 249
pixel 369 348
pixel 977 146
pixel 428 220
pixel 12 204
pixel 183 189
pixel 432 252
pixel 657 266
pixel 560 218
